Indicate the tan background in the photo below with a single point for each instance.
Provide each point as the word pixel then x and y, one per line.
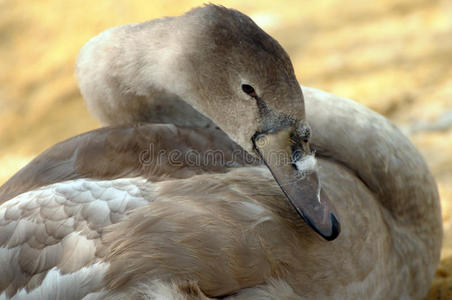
pixel 393 56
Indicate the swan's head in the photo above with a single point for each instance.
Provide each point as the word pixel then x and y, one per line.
pixel 221 63
pixel 236 74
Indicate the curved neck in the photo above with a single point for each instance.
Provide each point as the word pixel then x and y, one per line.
pixel 126 79
pixel 386 162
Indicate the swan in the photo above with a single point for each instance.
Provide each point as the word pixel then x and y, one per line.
pixel 310 196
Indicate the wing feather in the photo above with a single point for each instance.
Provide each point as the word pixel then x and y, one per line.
pixel 128 151
pixel 55 230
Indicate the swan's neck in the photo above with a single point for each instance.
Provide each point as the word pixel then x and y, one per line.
pixel 387 163
pixel 127 77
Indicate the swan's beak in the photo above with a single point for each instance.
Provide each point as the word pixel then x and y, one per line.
pixel 293 166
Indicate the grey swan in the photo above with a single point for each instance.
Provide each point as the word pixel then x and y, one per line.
pixel 346 209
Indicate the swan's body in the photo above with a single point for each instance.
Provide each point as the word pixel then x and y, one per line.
pixel 113 213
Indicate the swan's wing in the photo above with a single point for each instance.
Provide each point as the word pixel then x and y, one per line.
pixel 53 211
pixel 154 151
pixel 80 238
pixel 50 238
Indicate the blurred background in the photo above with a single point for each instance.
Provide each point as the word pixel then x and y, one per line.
pixel 394 56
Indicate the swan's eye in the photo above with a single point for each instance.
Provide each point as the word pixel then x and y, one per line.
pixel 248 89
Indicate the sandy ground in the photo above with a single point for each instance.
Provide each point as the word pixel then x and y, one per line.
pixel 392 56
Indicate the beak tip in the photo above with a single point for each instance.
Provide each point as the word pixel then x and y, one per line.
pixel 335 228
pixel 334 231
